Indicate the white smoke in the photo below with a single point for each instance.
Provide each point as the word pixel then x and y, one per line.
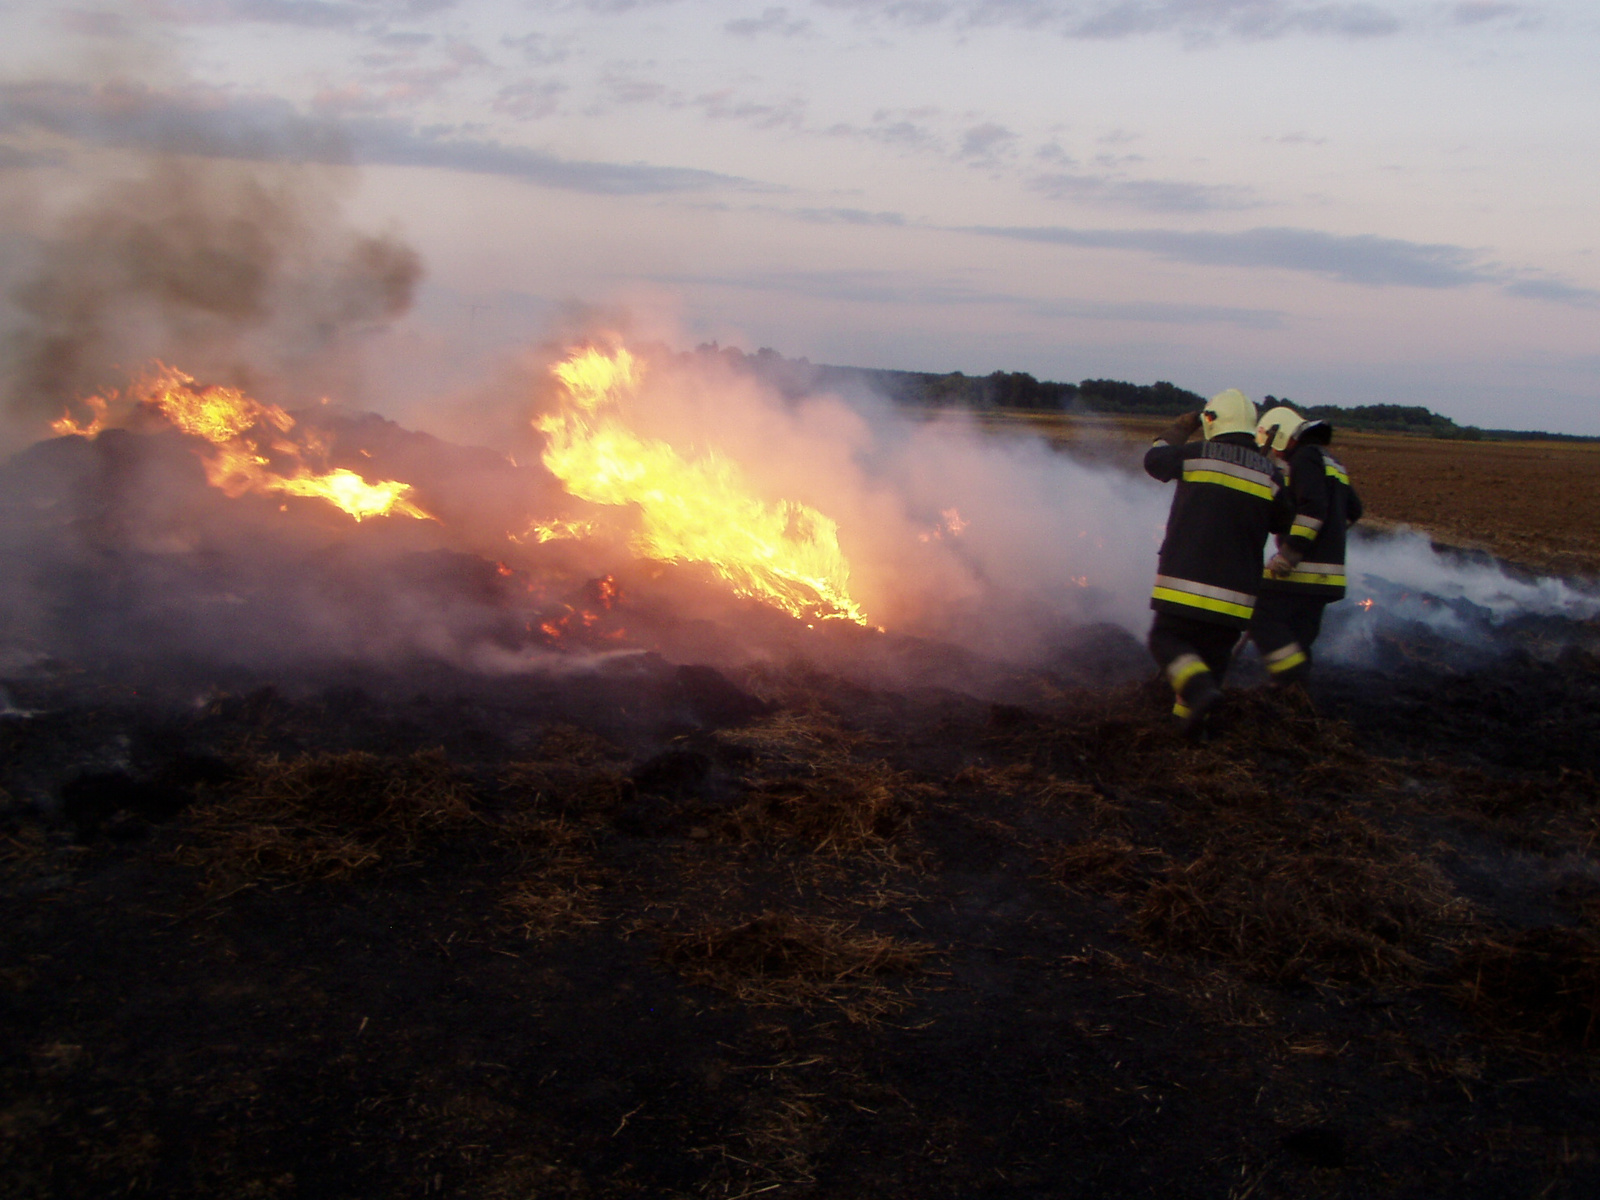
pixel 992 541
pixel 1407 560
pixel 1400 581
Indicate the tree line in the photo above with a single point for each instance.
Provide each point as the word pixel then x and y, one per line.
pixel 1019 391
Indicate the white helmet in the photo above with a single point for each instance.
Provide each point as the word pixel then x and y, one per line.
pixel 1278 427
pixel 1228 412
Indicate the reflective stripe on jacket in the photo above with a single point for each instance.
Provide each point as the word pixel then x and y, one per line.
pixel 1325 506
pixel 1229 497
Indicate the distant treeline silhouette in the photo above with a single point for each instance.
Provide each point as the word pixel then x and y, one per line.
pixel 1020 392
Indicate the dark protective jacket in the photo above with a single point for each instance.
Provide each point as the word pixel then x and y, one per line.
pixel 1229 497
pixel 1325 506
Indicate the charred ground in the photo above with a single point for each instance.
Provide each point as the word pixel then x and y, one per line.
pixel 295 908
pixel 659 930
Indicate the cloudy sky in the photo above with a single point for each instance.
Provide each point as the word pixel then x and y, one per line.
pixel 1384 201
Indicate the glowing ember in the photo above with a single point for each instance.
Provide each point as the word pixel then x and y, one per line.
pixel 223 416
pixel 702 511
pixel 601 594
pixel 1364 604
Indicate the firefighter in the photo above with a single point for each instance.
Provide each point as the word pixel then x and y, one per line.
pixel 1230 496
pixel 1306 574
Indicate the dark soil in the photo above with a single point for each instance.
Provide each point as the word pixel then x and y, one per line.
pixel 657 931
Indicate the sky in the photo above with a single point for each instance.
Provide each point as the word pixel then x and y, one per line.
pixel 1346 203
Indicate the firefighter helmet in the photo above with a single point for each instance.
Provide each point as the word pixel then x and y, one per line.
pixel 1228 412
pixel 1278 427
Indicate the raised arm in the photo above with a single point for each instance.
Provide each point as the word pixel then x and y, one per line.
pixel 1164 459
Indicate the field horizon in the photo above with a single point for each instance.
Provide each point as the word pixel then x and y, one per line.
pixel 1534 505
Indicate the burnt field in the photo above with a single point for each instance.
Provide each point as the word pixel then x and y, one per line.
pixel 337 860
pixel 659 930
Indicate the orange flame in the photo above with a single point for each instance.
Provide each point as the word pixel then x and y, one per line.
pixel 560 529
pixel 67 426
pixel 700 510
pixel 223 416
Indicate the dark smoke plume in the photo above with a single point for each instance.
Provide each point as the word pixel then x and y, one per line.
pixel 240 273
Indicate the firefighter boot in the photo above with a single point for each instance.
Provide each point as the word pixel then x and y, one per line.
pixel 1197 692
pixel 1288 664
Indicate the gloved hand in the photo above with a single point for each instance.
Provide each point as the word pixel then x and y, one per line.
pixel 1284 561
pixel 1182 429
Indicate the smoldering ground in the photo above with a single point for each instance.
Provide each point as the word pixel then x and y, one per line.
pixel 664 931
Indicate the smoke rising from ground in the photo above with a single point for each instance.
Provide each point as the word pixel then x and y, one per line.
pixel 1400 580
pixel 247 275
pixel 995 542
pixel 1001 543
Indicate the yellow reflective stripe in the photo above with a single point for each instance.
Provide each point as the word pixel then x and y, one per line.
pixel 1182 710
pixel 1335 471
pixel 1283 651
pixel 1212 462
pixel 1184 668
pixel 1305 531
pixel 1305 577
pixel 1231 481
pixel 1205 602
pixel 1287 664
pixel 1195 588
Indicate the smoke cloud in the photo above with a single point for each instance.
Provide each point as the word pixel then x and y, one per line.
pixel 247 274
pixel 244 272
pixel 1401 583
pixel 1004 544
pixel 997 543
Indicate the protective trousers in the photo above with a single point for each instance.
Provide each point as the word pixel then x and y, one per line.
pixel 1194 655
pixel 1284 627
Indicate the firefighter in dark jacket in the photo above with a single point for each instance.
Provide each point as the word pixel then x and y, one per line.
pixel 1307 573
pixel 1230 496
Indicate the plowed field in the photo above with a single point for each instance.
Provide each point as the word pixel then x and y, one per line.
pixel 1536 504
